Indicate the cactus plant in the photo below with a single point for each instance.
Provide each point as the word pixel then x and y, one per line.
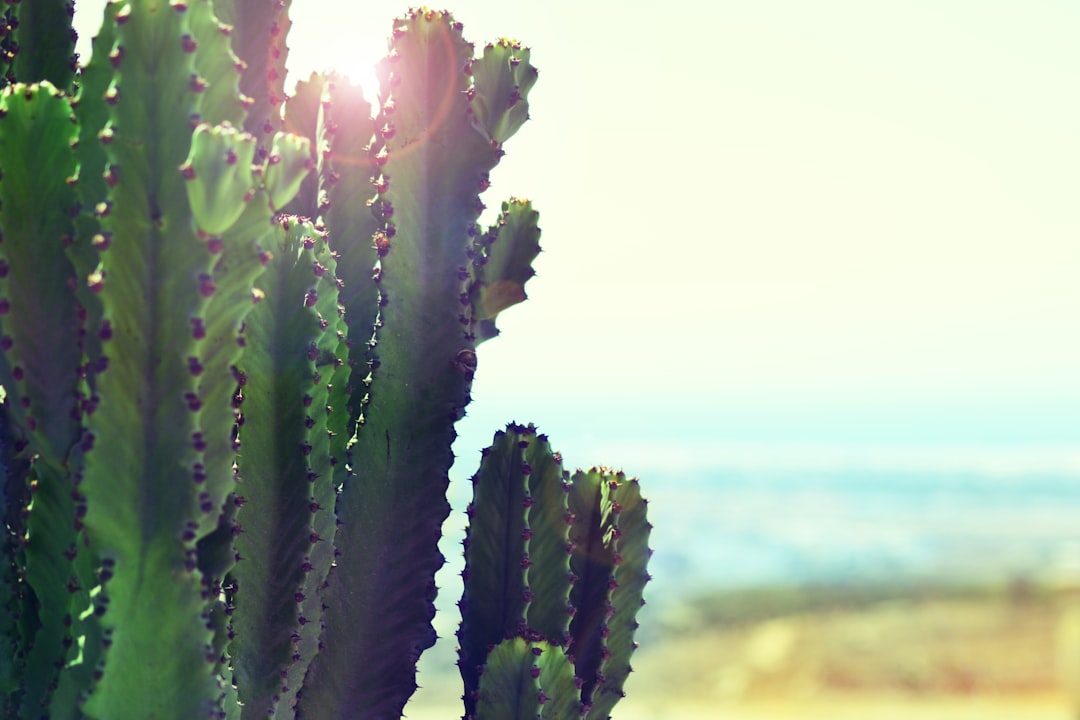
pixel 232 359
pixel 554 574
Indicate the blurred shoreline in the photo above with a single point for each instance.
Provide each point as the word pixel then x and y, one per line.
pixel 936 652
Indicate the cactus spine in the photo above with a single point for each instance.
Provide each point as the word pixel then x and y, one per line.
pixel 233 358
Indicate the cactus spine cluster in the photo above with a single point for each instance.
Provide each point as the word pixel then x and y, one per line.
pixel 236 332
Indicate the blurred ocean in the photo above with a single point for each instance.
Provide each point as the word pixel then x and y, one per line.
pixel 738 528
pixel 743 516
pixel 787 516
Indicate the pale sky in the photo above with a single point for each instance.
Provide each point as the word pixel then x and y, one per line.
pixel 849 222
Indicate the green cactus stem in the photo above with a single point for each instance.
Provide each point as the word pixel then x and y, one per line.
pixel 610 534
pixel 525 680
pixel 540 550
pixel 45 41
pixel 288 472
pixel 349 178
pixel 258 32
pixel 517 561
pixel 39 323
pixel 159 469
pixel 502 264
pixel 433 164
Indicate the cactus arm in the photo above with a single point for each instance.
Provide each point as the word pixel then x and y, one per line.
pixel 38 312
pixel 503 77
pixel 627 534
pixel 46 42
pixel 346 176
pixel 548 575
pixel 609 558
pixel 139 475
pixel 286 477
pixel 509 687
pixel 39 326
pixel 381 598
pixel 516 578
pixel 493 601
pixel 590 562
pixel 302 112
pixel 434 164
pixel 9 46
pixel 502 264
pixel 259 32
pixel 502 257
pixel 216 65
pixel 159 470
pixel 524 680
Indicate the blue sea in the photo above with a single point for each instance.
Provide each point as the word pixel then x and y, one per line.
pixel 997 518
pixel 740 528
pixel 944 519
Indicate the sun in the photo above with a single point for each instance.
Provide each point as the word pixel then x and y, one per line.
pixel 345 36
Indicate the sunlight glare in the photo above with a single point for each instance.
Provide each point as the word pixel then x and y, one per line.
pixel 339 36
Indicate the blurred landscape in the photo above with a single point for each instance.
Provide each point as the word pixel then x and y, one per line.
pixel 846 590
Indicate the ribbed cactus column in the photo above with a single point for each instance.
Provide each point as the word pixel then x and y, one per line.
pixel 39 319
pixel 610 535
pixel 554 573
pixel 44 42
pixel 258 33
pixel 434 151
pixel 517 557
pixel 293 387
pixel 178 258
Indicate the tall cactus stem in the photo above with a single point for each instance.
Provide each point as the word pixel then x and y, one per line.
pixel 287 470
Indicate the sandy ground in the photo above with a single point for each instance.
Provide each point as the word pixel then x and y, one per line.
pixel 870 707
pixel 840 707
pixel 993 657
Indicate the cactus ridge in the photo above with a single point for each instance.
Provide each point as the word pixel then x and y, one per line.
pixel 217 67
pixel 610 538
pixel 286 519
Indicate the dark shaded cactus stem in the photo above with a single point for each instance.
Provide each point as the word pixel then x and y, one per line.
pixel 554 566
